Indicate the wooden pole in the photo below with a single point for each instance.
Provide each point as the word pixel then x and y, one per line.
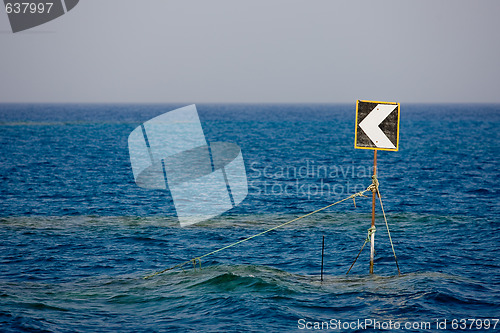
pixel 372 240
pixel 322 254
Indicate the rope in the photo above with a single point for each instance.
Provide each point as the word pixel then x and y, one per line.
pixel 374 188
pixel 198 259
pixel 374 185
pixel 371 231
pixel 387 225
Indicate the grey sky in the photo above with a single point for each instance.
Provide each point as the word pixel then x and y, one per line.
pixel 257 51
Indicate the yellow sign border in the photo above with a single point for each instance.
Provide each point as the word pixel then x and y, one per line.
pixel 356 126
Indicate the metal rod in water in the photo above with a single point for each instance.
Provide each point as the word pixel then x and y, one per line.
pixel 322 255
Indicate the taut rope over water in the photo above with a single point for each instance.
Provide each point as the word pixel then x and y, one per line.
pixel 197 260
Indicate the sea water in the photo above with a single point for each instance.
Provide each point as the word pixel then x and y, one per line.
pixel 78 235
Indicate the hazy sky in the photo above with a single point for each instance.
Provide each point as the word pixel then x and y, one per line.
pixel 257 51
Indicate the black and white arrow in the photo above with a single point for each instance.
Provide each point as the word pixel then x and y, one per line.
pixel 370 125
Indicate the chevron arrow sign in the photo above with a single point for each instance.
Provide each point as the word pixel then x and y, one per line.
pixel 377 125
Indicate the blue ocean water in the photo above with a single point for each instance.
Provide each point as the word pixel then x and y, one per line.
pixel 78 235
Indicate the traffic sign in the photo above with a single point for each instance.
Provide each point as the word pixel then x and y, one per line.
pixel 377 125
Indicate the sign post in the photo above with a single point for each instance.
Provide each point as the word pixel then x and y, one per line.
pixel 372 235
pixel 377 128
